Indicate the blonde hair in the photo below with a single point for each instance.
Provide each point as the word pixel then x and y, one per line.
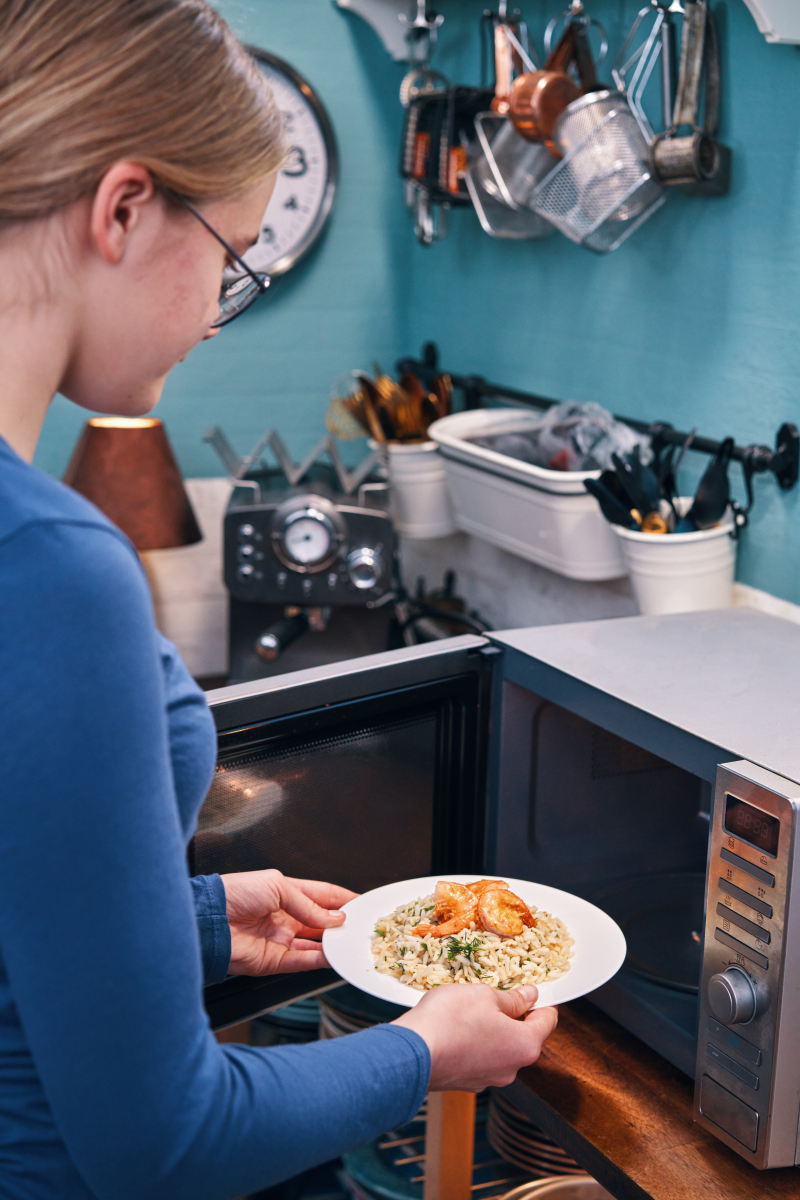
pixel 87 83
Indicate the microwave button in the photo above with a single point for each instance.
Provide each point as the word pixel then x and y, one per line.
pixel 731 997
pixel 730 1113
pixel 737 1043
pixel 744 864
pixel 747 952
pixel 728 1063
pixel 756 931
pixel 730 889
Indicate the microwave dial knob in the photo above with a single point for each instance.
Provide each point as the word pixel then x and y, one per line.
pixel 364 568
pixel 731 997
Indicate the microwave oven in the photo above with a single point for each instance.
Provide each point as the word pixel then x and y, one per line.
pixel 648 764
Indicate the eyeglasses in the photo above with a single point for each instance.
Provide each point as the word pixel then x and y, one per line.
pixel 238 295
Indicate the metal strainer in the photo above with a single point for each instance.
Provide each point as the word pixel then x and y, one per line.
pixel 602 189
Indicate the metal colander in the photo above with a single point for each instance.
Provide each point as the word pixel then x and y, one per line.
pixel 602 190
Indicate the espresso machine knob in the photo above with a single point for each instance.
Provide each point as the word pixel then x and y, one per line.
pixel 364 568
pixel 731 997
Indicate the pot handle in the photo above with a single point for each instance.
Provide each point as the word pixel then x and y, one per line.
pixel 691 68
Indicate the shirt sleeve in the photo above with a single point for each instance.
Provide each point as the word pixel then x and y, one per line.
pixel 98 930
pixel 208 893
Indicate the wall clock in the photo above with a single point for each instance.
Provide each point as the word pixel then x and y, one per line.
pixel 306 187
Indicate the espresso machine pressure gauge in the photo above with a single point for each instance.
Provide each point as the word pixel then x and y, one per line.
pixel 306 539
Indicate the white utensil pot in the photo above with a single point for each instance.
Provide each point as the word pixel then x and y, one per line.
pixel 681 572
pixel 420 501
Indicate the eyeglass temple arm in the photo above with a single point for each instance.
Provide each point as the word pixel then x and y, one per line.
pixel 262 284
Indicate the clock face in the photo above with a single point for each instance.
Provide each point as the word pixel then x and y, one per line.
pixel 304 192
pixel 307 539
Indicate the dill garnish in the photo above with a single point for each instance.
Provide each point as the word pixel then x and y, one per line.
pixel 467 948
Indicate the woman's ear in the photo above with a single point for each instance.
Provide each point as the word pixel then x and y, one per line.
pixel 117 208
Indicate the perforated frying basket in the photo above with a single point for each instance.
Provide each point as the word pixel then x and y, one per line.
pixel 602 189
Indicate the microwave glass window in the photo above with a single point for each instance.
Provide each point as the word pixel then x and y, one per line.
pixel 752 825
pixel 354 808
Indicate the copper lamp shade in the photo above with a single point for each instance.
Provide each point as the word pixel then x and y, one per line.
pixel 126 467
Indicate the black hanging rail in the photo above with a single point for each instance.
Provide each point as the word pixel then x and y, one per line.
pixel 783 461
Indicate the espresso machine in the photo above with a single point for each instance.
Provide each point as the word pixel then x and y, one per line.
pixel 310 558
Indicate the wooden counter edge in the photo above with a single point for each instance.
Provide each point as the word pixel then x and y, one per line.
pixel 625 1115
pixel 601 1168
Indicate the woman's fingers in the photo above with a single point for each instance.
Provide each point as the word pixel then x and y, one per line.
pixel 475 1035
pixel 254 895
pixel 543 1021
pixel 328 895
pixel 311 915
pixel 301 960
pixel 516 1001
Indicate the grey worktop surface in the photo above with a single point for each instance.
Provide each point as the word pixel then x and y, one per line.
pixel 730 676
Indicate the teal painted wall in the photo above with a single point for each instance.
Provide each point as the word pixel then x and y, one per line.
pixel 694 320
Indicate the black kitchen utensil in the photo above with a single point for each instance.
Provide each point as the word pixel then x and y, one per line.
pixel 713 492
pixel 646 479
pixel 611 483
pixel 632 485
pixel 612 508
pixel 666 472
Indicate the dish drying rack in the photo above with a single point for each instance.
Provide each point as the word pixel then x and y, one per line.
pixel 756 459
pixel 238 466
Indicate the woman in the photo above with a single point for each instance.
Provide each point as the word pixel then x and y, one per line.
pixel 111 1083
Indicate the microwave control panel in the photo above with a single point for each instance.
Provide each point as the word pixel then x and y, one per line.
pixel 747 1085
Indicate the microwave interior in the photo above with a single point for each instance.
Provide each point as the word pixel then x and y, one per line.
pixel 579 807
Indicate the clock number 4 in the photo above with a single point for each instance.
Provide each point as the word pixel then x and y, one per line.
pixel 297 165
pixel 291 202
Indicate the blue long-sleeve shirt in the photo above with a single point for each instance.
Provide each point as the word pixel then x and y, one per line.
pixel 112 1086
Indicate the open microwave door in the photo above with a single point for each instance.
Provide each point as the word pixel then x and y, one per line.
pixel 362 773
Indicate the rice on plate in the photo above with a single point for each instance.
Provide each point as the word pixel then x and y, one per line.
pixel 472 956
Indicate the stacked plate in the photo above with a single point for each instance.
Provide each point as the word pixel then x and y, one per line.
pixel 521 1142
pixel 347 1010
pixel 293 1024
pixel 580 1187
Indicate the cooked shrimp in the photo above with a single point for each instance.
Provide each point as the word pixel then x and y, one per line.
pixel 503 913
pixel 456 907
pixel 487 885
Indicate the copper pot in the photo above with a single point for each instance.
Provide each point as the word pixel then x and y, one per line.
pixel 538 98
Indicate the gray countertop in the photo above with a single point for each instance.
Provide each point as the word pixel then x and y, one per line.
pixel 730 676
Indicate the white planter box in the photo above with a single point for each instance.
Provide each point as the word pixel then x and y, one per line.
pixel 546 517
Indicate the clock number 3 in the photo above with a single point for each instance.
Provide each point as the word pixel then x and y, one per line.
pixel 297 165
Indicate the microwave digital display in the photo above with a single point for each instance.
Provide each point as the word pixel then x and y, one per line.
pixel 752 825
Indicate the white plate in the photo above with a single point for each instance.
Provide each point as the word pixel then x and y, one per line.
pixel 599 949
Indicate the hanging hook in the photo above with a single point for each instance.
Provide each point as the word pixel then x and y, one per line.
pixel 421 30
pixel 423 20
pixel 576 13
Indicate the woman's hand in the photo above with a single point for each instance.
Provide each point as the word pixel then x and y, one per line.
pixel 475 1036
pixel 276 923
